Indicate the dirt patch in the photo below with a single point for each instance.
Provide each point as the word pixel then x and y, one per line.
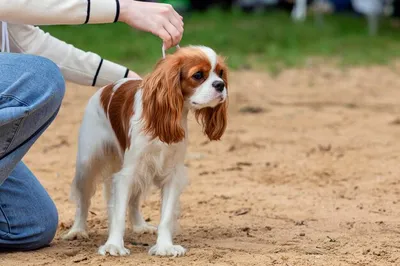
pixel 307 174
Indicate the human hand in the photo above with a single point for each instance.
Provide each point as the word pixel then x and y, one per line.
pixel 159 19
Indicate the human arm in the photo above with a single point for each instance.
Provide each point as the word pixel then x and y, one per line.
pixel 78 66
pixel 159 19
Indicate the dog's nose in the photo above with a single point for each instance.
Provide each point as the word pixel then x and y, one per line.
pixel 219 85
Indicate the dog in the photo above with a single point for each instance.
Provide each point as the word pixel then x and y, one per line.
pixel 134 134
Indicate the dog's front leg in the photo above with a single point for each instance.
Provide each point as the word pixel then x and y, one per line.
pixel 117 205
pixel 171 191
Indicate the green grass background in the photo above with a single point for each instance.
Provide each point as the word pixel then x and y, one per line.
pixel 264 41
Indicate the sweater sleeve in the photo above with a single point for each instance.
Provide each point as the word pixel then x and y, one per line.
pixel 78 66
pixel 57 12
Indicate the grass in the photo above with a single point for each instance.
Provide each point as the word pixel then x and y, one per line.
pixel 267 41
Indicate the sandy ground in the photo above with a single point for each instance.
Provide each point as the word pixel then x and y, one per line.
pixel 307 174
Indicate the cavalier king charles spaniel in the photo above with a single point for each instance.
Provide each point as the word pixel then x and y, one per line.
pixel 134 134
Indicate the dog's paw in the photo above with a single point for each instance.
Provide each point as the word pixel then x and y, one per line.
pixel 76 234
pixel 113 250
pixel 167 250
pixel 144 229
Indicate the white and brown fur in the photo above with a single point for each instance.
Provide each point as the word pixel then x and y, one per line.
pixel 134 134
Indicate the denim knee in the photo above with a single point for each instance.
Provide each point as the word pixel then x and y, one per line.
pixel 48 78
pixel 33 80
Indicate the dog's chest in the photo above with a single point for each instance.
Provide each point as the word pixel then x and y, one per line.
pixel 158 161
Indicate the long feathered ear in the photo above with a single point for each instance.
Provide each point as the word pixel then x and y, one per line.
pixel 213 120
pixel 163 102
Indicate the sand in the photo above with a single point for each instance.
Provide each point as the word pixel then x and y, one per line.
pixel 306 174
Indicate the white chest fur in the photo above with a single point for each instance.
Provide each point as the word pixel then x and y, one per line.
pixel 156 162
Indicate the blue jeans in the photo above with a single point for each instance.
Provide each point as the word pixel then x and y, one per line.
pixel 31 91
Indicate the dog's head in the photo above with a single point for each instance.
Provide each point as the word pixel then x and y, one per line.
pixel 194 77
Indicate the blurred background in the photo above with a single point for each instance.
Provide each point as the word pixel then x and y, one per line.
pixel 259 34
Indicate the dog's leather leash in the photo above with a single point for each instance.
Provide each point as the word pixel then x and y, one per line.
pixel 163 49
pixel 5 41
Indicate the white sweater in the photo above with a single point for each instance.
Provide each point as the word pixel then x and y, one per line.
pixel 78 66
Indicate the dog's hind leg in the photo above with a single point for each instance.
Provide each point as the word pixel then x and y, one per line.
pixel 83 188
pixel 93 149
pixel 139 225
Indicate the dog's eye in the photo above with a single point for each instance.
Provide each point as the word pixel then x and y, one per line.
pixel 221 73
pixel 198 75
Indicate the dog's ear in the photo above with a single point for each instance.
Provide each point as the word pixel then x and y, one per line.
pixel 213 120
pixel 163 102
